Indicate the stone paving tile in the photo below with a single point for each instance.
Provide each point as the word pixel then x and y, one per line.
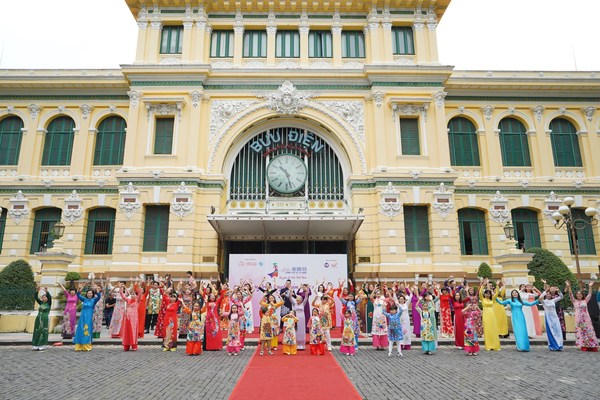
pixel 107 372
pixel 450 374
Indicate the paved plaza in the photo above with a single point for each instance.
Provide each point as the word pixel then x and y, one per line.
pixel 109 373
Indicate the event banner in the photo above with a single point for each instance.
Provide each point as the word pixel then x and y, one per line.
pixel 299 268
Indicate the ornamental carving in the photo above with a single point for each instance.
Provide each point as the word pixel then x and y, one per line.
pixel 552 204
pixel 19 207
pixel 134 98
pixel 589 112
pixel 538 111
pixel 86 110
pixel 34 110
pixel 443 204
pixel 499 211
pixel 165 109
pixel 352 112
pixel 439 98
pixel 129 203
pixel 390 204
pixel 378 98
pixel 287 99
pixel 196 97
pixel 73 211
pixel 221 111
pixel 487 112
pixel 182 203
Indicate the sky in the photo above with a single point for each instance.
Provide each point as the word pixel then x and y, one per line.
pixel 546 35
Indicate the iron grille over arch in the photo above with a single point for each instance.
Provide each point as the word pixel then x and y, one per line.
pixel 248 179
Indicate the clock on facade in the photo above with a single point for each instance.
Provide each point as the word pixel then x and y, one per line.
pixel 287 173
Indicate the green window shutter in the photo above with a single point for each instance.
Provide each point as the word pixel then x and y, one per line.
pixel 409 136
pixel 58 143
pixel 171 40
pixel 255 44
pixel 353 44
pixel 10 140
pixel 287 44
pixel 527 231
pixel 163 138
pixel 565 143
pixel 402 40
pixel 110 142
pixel 473 234
pixel 156 228
pixel 221 44
pixel 3 215
pixel 45 219
pixel 319 44
pixel 584 233
pixel 462 138
pixel 100 231
pixel 416 228
pixel 514 143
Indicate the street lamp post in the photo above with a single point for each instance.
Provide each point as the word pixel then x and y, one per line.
pixel 564 219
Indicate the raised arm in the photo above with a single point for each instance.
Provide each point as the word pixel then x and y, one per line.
pixel 503 302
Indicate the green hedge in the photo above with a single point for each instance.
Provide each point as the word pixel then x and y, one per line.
pixel 17 286
pixel 547 265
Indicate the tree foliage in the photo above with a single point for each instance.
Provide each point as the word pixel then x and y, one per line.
pixel 484 271
pixel 17 286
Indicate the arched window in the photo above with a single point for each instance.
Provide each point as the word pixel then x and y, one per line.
pixel 565 143
pixel 527 231
pixel 473 235
pixel 584 233
pixel 10 140
pixel 2 225
pixel 58 145
pixel 100 231
pixel 110 141
pixel 42 237
pixel 462 137
pixel 514 144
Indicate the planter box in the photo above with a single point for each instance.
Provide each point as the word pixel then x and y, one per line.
pixel 23 321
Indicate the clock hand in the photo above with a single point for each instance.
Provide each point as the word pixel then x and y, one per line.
pixel 287 174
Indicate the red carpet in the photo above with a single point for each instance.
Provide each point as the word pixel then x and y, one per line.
pixel 302 376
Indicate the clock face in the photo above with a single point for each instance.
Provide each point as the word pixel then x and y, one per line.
pixel 287 173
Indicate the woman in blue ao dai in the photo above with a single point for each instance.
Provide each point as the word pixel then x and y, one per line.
pixel 351 303
pixel 84 332
pixel 518 319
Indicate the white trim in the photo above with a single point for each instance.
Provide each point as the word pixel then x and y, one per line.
pixel 45 119
pixel 519 115
pixel 19 114
pixel 475 118
pixel 569 116
pixel 94 122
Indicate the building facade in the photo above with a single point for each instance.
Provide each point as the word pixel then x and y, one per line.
pixel 294 127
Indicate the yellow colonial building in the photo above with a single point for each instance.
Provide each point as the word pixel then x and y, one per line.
pixel 294 127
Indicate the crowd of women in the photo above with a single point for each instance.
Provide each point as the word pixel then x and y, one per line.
pixel 206 312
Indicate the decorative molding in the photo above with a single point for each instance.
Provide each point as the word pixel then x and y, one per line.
pixel 86 110
pixel 287 100
pixel 182 203
pixel 129 202
pixel 589 112
pixel 552 203
pixel 443 204
pixel 222 111
pixel 196 97
pixel 487 112
pixel 73 211
pixel 165 109
pixel 499 211
pixel 439 98
pixel 156 173
pixel 378 98
pixel 390 204
pixel 353 113
pixel 134 98
pixel 19 207
pixel 538 112
pixel 34 110
pixel 415 174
